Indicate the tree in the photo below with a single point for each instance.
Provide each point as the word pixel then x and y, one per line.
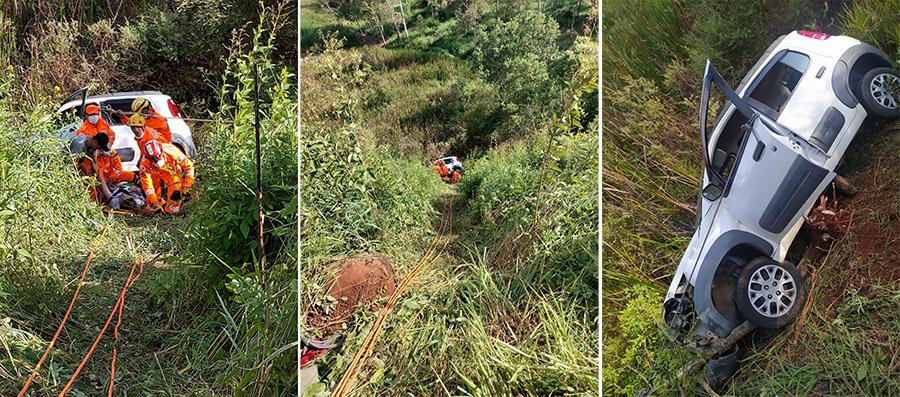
pixel 519 53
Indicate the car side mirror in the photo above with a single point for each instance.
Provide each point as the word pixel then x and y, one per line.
pixel 712 192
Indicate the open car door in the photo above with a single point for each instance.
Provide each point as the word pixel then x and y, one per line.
pixel 761 171
pixel 80 93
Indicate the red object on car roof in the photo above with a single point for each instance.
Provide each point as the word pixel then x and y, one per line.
pixel 814 35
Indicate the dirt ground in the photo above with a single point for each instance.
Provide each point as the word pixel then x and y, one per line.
pixel 357 282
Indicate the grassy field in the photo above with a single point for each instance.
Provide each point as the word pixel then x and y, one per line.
pixel 510 305
pixel 651 171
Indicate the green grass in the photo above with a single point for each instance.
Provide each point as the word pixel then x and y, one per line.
pixel 316 20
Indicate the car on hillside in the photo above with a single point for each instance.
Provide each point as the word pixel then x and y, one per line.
pixel 125 144
pixel 452 163
pixel 769 154
pixel 449 168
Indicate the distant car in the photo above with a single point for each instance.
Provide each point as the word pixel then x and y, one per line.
pixel 125 144
pixel 767 157
pixel 453 164
pixel 450 169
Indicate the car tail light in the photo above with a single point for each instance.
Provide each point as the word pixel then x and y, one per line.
pixel 814 35
pixel 173 108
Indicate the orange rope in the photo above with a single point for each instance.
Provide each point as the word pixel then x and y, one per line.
pixel 87 356
pixel 112 365
pixel 346 382
pixel 65 316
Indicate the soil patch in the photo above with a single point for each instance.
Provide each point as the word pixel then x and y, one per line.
pixel 358 281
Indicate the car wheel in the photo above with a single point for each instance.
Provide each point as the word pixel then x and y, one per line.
pixel 880 91
pixel 770 294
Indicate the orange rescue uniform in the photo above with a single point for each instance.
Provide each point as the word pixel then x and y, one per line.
pixel 111 168
pixel 150 134
pixel 91 129
pixel 173 172
pixel 158 123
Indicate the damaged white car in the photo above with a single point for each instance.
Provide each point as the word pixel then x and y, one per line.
pixel 769 154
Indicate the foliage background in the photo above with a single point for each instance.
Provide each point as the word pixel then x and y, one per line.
pixel 510 307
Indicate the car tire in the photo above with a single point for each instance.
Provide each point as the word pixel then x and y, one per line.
pixel 876 97
pixel 770 294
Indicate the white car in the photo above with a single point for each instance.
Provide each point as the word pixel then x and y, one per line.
pixel 769 154
pixel 452 163
pixel 125 144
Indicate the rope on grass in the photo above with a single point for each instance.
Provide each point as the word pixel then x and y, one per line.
pixel 362 355
pixel 120 302
pixel 112 365
pixel 65 316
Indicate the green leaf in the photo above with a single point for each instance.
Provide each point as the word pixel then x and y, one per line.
pixel 314 389
pixel 860 373
pixel 245 229
pixel 377 376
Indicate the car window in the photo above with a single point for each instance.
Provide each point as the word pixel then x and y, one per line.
pixel 122 105
pixel 777 83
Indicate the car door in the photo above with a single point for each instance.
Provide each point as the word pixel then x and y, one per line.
pixel 769 180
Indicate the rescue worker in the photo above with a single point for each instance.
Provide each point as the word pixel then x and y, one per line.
pixel 166 176
pixel 95 124
pixel 442 170
pixel 92 125
pixel 142 133
pixel 455 176
pixel 108 166
pixel 153 119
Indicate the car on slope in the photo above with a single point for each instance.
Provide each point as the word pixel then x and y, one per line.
pixel 769 154
pixel 452 163
pixel 125 144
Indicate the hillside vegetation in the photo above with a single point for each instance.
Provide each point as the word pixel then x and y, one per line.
pixel 510 306
pixel 196 322
pixel 653 64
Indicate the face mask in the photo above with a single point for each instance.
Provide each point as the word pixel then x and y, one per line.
pixel 93 118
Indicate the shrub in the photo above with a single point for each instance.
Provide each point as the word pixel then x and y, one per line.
pixel 637 353
pixel 519 55
pixel 260 320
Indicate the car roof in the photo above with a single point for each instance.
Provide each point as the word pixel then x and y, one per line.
pixel 108 96
pixel 832 47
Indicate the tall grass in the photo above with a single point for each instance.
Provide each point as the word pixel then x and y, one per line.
pixel 197 322
pixel 258 317
pixel 875 22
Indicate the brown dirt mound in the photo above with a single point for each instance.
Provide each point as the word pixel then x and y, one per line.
pixel 358 281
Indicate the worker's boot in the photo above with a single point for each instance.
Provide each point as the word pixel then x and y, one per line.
pixel 172 207
pixel 173 203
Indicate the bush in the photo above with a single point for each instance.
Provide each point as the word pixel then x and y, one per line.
pixel 637 354
pixel 519 54
pixel 260 319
